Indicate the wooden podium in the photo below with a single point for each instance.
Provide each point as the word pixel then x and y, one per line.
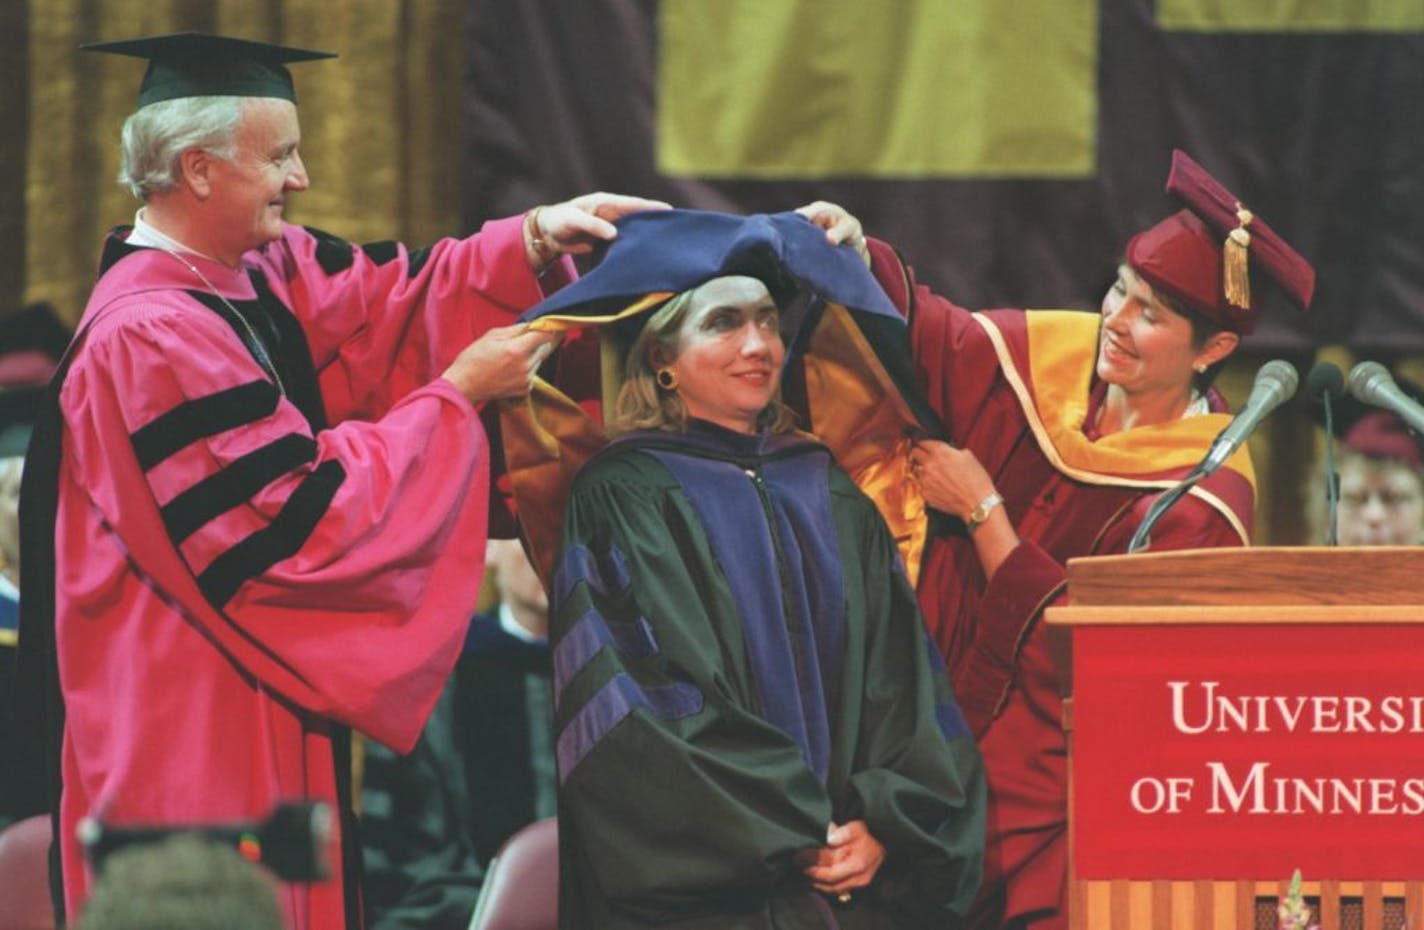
pixel 1234 715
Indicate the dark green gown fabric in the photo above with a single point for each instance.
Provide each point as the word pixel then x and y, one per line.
pixel 739 662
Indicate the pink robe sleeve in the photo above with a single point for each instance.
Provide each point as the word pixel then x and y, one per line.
pixel 383 320
pixel 338 569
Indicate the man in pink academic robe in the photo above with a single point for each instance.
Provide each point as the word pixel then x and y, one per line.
pixel 256 509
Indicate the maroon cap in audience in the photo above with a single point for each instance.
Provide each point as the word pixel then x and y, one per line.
pixel 1383 435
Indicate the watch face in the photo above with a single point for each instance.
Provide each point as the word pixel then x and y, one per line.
pixel 981 513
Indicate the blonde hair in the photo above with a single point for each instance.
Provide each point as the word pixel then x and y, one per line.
pixel 642 404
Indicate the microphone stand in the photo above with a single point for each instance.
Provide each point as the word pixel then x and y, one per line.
pixel 1143 537
pixel 1332 477
pixel 1275 384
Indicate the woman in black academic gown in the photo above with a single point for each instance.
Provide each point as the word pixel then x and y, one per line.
pixel 751 728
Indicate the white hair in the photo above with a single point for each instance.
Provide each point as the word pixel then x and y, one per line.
pixel 156 135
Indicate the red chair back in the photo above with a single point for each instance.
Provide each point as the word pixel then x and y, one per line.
pixel 24 875
pixel 521 889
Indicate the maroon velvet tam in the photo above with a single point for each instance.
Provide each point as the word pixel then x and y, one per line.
pixel 1383 435
pixel 1208 254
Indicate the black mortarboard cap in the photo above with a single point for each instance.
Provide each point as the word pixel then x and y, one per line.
pixel 196 64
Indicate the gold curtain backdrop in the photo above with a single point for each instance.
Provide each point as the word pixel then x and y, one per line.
pixel 380 124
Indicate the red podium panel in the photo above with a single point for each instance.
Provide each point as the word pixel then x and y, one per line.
pixel 1235 715
pixel 1249 751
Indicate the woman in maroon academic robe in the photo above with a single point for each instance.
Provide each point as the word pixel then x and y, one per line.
pixel 1066 425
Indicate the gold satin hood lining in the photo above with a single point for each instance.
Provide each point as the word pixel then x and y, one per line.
pixel 854 405
pixel 1062 351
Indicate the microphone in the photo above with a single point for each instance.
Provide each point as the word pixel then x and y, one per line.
pixel 1275 384
pixel 1323 383
pixel 1372 383
pixel 291 842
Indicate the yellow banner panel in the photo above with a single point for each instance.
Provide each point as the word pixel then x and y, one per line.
pixel 913 89
pixel 1291 15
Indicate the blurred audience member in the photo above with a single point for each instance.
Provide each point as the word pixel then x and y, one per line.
pixel 504 705
pixel 12 467
pixel 1381 466
pixel 185 882
pixel 482 769
pixel 1380 462
pixel 10 470
pixel 32 341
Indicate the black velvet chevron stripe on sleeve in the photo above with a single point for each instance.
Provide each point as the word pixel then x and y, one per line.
pixel 333 253
pixel 280 539
pixel 387 251
pixel 238 482
pixel 202 417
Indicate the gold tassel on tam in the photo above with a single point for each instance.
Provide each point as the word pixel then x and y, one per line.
pixel 1236 258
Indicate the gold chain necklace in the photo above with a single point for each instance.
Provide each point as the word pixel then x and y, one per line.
pixel 263 358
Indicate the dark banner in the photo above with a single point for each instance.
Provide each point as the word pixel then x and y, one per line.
pixel 1009 150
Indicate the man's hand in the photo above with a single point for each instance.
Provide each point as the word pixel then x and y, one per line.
pixel 848 861
pixel 501 363
pixel 839 224
pixel 575 226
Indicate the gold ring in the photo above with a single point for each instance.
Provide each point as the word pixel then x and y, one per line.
pixel 843 897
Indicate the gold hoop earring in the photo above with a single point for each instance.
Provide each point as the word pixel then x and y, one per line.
pixel 667 379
